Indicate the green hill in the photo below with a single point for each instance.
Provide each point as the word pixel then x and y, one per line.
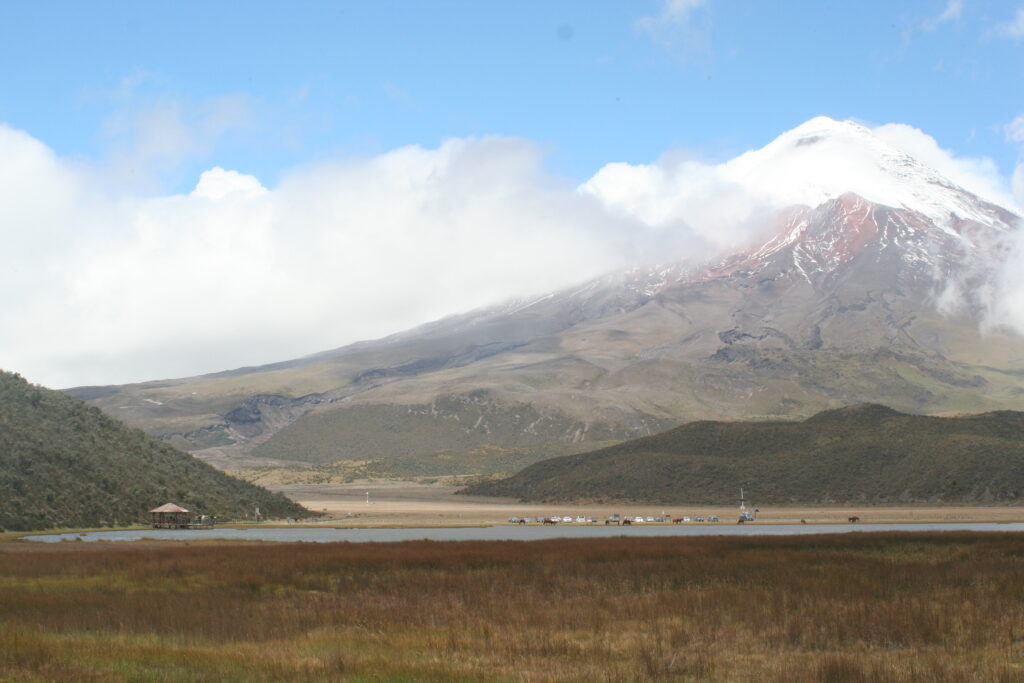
pixel 866 453
pixel 66 464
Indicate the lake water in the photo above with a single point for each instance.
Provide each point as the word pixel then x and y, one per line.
pixel 505 533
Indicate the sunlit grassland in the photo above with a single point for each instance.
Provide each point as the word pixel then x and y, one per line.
pixel 901 607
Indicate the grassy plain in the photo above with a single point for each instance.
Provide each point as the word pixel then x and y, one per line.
pixel 851 607
pixel 482 461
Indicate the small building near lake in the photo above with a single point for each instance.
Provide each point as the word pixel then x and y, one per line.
pixel 171 516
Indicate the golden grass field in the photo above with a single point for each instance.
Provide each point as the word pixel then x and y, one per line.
pixel 843 608
pixel 412 503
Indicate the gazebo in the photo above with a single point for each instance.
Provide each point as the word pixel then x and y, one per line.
pixel 170 516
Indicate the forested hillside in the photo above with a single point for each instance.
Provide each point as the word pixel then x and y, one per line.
pixel 865 453
pixel 66 464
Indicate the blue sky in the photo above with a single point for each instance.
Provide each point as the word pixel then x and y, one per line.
pixel 195 186
pixel 592 82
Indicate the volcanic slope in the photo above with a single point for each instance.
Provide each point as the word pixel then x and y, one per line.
pixel 864 454
pixel 869 285
pixel 66 464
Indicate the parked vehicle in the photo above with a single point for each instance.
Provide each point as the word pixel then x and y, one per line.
pixel 713 518
pixel 700 518
pixel 567 518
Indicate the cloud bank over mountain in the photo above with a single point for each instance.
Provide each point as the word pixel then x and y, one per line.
pixel 104 286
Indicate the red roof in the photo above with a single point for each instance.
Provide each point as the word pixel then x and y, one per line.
pixel 169 507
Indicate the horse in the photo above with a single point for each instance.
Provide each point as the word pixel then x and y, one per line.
pixel 677 520
pixel 627 521
pixel 520 521
pixel 548 520
pixel 741 521
pixel 854 519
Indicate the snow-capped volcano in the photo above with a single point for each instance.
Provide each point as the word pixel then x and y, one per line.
pixel 867 279
pixel 819 161
pixel 824 159
pixel 818 200
pixel 854 201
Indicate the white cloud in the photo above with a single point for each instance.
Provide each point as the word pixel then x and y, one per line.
pixel 954 8
pixel 1015 133
pixel 104 288
pixel 151 138
pixel 217 184
pixel 1015 129
pixel 1013 28
pixel 980 175
pixel 676 25
pixel 682 196
pixel 1005 300
pixel 675 11
pixel 952 12
pixel 399 96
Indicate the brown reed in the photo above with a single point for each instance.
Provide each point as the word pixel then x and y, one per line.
pixel 854 607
